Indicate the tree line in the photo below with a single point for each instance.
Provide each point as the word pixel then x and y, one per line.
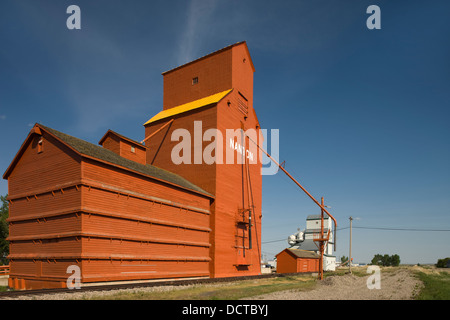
pixel 4 230
pixel 381 260
pixel 386 260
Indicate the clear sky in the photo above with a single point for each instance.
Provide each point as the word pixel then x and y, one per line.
pixel 363 114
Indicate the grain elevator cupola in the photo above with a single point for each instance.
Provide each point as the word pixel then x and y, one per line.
pixel 215 92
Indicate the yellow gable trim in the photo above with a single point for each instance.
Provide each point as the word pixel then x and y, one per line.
pixel 215 98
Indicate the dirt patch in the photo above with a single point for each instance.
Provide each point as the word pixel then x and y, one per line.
pixel 396 284
pixel 400 284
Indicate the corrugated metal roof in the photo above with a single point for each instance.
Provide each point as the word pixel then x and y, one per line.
pixel 317 217
pixel 304 253
pixel 203 102
pixel 308 244
pixel 317 230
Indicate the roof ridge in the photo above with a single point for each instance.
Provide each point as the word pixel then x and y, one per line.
pixel 120 136
pixel 205 56
pixel 191 105
pixel 100 153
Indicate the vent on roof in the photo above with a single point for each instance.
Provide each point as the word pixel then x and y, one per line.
pixel 40 145
pixel 242 104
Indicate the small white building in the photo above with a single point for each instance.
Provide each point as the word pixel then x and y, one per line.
pixel 304 240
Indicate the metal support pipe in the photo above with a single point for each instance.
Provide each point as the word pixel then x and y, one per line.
pixel 250 246
pixel 301 187
pixel 151 135
pixel 321 244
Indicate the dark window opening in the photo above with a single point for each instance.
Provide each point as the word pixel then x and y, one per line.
pixel 41 145
pixel 194 80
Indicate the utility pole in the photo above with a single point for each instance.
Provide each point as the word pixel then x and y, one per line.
pixel 350 251
pixel 321 244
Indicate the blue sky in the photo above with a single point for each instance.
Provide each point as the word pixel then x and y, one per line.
pixel 363 114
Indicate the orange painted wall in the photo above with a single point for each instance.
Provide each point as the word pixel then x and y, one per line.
pixel 54 165
pixel 124 149
pixel 112 143
pixel 288 263
pixel 144 223
pixel 112 223
pixel 43 218
pixel 227 182
pixel 213 73
pixel 119 225
pixel 138 155
pixel 233 194
pixel 160 146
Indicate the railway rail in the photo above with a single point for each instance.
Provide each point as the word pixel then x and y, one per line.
pixel 174 282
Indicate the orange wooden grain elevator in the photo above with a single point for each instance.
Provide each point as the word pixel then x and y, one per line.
pixel 123 210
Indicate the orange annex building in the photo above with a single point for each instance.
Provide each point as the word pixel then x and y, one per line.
pixel 186 203
pixel 295 260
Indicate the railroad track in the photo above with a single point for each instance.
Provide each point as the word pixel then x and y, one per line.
pixel 175 282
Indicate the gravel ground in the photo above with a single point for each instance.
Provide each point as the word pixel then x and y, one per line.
pixel 90 294
pixel 395 285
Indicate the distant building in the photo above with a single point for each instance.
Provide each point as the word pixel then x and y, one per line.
pixel 304 240
pixel 295 260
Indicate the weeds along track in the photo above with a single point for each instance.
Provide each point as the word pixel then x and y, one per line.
pixel 172 282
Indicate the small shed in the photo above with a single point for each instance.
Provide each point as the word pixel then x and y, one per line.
pixel 296 260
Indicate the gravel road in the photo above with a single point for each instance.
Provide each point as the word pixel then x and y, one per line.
pixel 395 285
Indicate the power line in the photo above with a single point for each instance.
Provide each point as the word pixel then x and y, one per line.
pixel 404 229
pixel 376 228
pixel 273 241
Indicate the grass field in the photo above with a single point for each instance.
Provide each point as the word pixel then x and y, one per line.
pixel 224 291
pixel 436 286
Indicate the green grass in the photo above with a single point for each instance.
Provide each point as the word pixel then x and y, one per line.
pixel 356 271
pixel 224 291
pixel 436 286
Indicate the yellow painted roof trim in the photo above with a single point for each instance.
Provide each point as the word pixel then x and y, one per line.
pixel 215 98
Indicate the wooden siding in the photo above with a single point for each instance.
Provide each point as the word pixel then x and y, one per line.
pixel 233 186
pixel 35 171
pixel 112 142
pixel 242 73
pixel 214 75
pixel 116 224
pixel 142 220
pixel 229 184
pixel 96 172
pixel 111 270
pixel 289 263
pixel 44 202
pixel 44 227
pixel 139 154
pixel 99 213
pixel 37 274
pixel 160 146
pixel 123 147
